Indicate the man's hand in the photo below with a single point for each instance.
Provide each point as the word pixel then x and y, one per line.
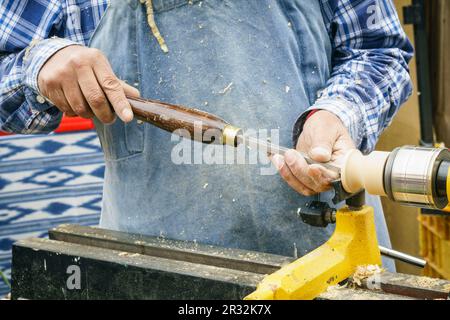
pixel 324 138
pixel 80 81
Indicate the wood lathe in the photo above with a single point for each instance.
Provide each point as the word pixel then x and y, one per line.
pixel 118 265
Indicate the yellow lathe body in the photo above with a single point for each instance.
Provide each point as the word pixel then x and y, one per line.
pixel 353 243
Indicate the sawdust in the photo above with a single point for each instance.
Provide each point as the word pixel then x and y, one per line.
pixel 334 291
pixel 365 272
pixel 7 297
pixel 128 254
pixel 423 282
pixel 226 89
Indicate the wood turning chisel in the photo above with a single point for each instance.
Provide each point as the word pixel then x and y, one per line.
pixel 207 128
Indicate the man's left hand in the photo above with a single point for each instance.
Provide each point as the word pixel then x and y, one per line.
pixel 324 138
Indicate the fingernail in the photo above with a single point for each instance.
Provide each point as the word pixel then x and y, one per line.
pixel 321 152
pixel 277 161
pixel 127 115
pixel 290 157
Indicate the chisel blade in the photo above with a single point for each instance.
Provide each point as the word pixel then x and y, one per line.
pixel 271 149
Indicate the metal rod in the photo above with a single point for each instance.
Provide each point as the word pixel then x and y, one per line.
pixel 270 148
pixel 403 257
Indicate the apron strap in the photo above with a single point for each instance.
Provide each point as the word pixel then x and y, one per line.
pixel 151 22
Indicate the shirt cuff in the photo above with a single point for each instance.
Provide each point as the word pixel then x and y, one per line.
pixel 348 113
pixel 37 54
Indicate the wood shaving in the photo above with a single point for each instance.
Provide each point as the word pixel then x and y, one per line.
pixel 365 272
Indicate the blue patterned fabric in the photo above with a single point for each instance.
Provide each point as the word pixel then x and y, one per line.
pixel 369 82
pixel 47 180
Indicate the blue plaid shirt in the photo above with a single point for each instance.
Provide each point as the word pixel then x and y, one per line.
pixel 369 81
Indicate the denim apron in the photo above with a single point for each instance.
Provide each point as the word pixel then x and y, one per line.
pixel 258 64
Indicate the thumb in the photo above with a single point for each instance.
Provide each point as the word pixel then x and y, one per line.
pixel 322 145
pixel 129 90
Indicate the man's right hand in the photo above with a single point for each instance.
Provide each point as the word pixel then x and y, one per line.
pixel 80 81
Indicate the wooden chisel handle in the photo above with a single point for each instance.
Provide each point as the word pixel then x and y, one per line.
pixel 201 126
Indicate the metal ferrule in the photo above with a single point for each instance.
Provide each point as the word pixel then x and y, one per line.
pixel 229 135
pixel 410 175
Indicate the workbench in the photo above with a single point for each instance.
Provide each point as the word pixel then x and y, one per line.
pixel 118 265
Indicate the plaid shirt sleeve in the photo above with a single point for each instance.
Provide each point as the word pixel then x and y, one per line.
pixel 370 75
pixel 31 31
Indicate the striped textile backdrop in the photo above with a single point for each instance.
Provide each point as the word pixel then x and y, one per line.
pixel 47 180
